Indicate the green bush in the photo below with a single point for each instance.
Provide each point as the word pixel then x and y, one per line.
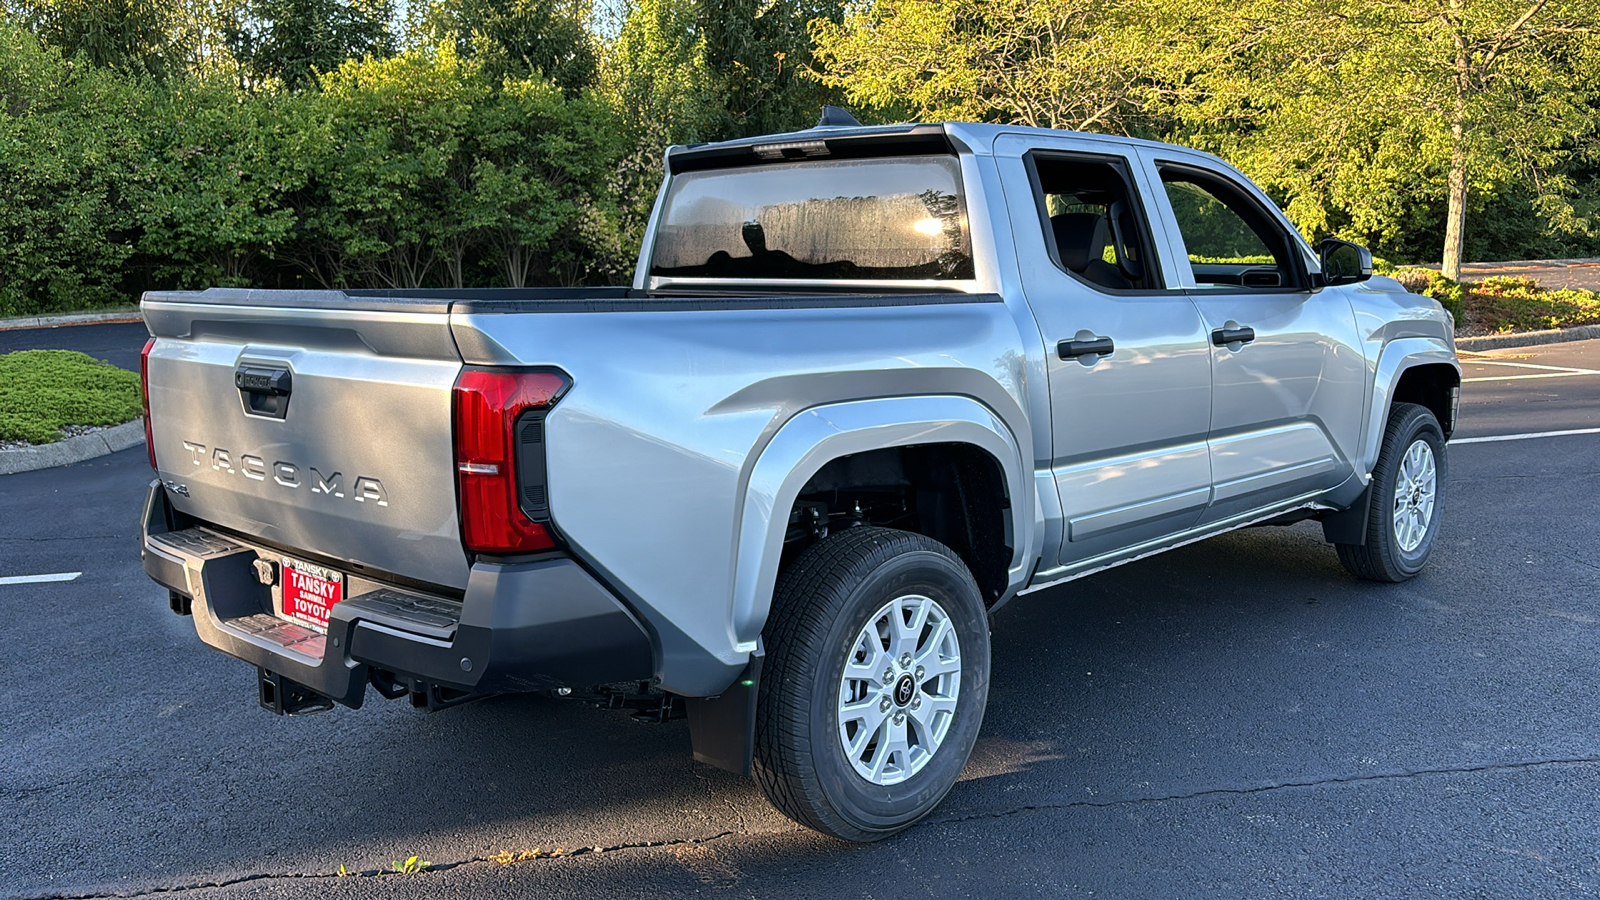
pixel 415 170
pixel 43 390
pixel 1506 303
pixel 69 145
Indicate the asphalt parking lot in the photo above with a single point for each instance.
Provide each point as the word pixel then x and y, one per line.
pixel 1235 718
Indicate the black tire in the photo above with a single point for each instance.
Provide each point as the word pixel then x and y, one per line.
pixel 823 602
pixel 1383 557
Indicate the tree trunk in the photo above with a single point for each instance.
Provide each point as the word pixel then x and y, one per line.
pixel 1456 216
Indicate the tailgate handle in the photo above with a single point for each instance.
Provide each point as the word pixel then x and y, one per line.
pixel 265 389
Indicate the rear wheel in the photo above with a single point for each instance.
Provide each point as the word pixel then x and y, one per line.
pixel 1407 489
pixel 874 685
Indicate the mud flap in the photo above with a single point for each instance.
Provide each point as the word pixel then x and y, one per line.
pixel 1350 525
pixel 723 728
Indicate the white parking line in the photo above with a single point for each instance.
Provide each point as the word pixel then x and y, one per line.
pixel 1522 437
pixel 1544 371
pixel 39 579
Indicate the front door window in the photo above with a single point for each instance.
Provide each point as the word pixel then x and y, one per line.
pixel 1230 242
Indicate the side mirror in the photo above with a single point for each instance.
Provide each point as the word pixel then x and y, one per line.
pixel 1344 262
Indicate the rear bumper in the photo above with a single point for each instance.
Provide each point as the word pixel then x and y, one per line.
pixel 519 627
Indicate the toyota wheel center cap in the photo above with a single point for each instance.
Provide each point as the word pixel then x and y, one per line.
pixel 904 690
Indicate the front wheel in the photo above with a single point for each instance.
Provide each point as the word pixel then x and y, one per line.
pixel 1407 490
pixel 875 681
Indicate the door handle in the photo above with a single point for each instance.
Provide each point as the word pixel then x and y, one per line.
pixel 1222 337
pixel 1099 346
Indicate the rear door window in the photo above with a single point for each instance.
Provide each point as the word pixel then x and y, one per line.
pixel 891 218
pixel 1093 225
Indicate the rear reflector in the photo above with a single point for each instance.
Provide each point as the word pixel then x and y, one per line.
pixel 488 404
pixel 144 391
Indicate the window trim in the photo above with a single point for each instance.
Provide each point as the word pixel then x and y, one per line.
pixel 1199 176
pixel 1122 167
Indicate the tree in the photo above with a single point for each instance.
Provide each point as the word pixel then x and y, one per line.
pixel 130 35
pixel 1368 108
pixel 398 128
pixel 294 40
pixel 514 39
pixel 1360 116
pixel 205 36
pixel 756 52
pixel 538 195
pixel 1076 64
pixel 655 75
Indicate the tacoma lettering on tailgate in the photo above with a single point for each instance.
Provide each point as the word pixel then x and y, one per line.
pixel 283 474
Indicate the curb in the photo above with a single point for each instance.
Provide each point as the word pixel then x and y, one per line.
pixel 1529 338
pixel 73 449
pixel 123 314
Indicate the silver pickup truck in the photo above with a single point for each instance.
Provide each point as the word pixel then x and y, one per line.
pixel 868 385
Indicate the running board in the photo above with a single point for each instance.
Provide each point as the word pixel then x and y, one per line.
pixel 1093 565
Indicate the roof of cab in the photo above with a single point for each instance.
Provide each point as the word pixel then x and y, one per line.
pixel 971 137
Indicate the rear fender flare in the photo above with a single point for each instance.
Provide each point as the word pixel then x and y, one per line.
pixel 816 436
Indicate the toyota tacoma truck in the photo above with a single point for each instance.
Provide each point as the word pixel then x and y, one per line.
pixel 868 385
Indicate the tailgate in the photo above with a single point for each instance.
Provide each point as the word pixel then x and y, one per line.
pixel 314 420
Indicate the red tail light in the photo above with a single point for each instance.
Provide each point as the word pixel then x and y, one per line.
pixel 491 406
pixel 144 390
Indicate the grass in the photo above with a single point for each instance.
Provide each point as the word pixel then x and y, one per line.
pixel 43 390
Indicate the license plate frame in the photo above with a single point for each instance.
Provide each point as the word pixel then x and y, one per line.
pixel 309 593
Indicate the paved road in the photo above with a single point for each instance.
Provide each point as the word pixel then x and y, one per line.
pixel 1236 718
pixel 1556 274
pixel 117 344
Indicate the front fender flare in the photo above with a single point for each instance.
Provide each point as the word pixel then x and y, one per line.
pixel 1396 357
pixel 816 436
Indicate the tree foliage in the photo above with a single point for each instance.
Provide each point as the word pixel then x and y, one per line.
pixel 211 195
pixel 516 38
pixel 1073 65
pixel 163 143
pixel 755 53
pixel 1377 120
pixel 408 171
pixel 1367 114
pixel 129 35
pixel 292 41
pixel 68 143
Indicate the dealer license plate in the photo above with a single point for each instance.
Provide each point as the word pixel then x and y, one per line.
pixel 309 593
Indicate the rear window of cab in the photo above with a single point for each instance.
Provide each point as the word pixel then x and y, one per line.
pixel 894 218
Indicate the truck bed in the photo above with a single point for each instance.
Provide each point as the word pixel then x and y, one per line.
pixel 673 398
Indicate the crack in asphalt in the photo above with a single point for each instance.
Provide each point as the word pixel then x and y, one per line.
pixel 379 873
pixel 1269 788
pixel 997 814
pixel 9 791
pixel 70 537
